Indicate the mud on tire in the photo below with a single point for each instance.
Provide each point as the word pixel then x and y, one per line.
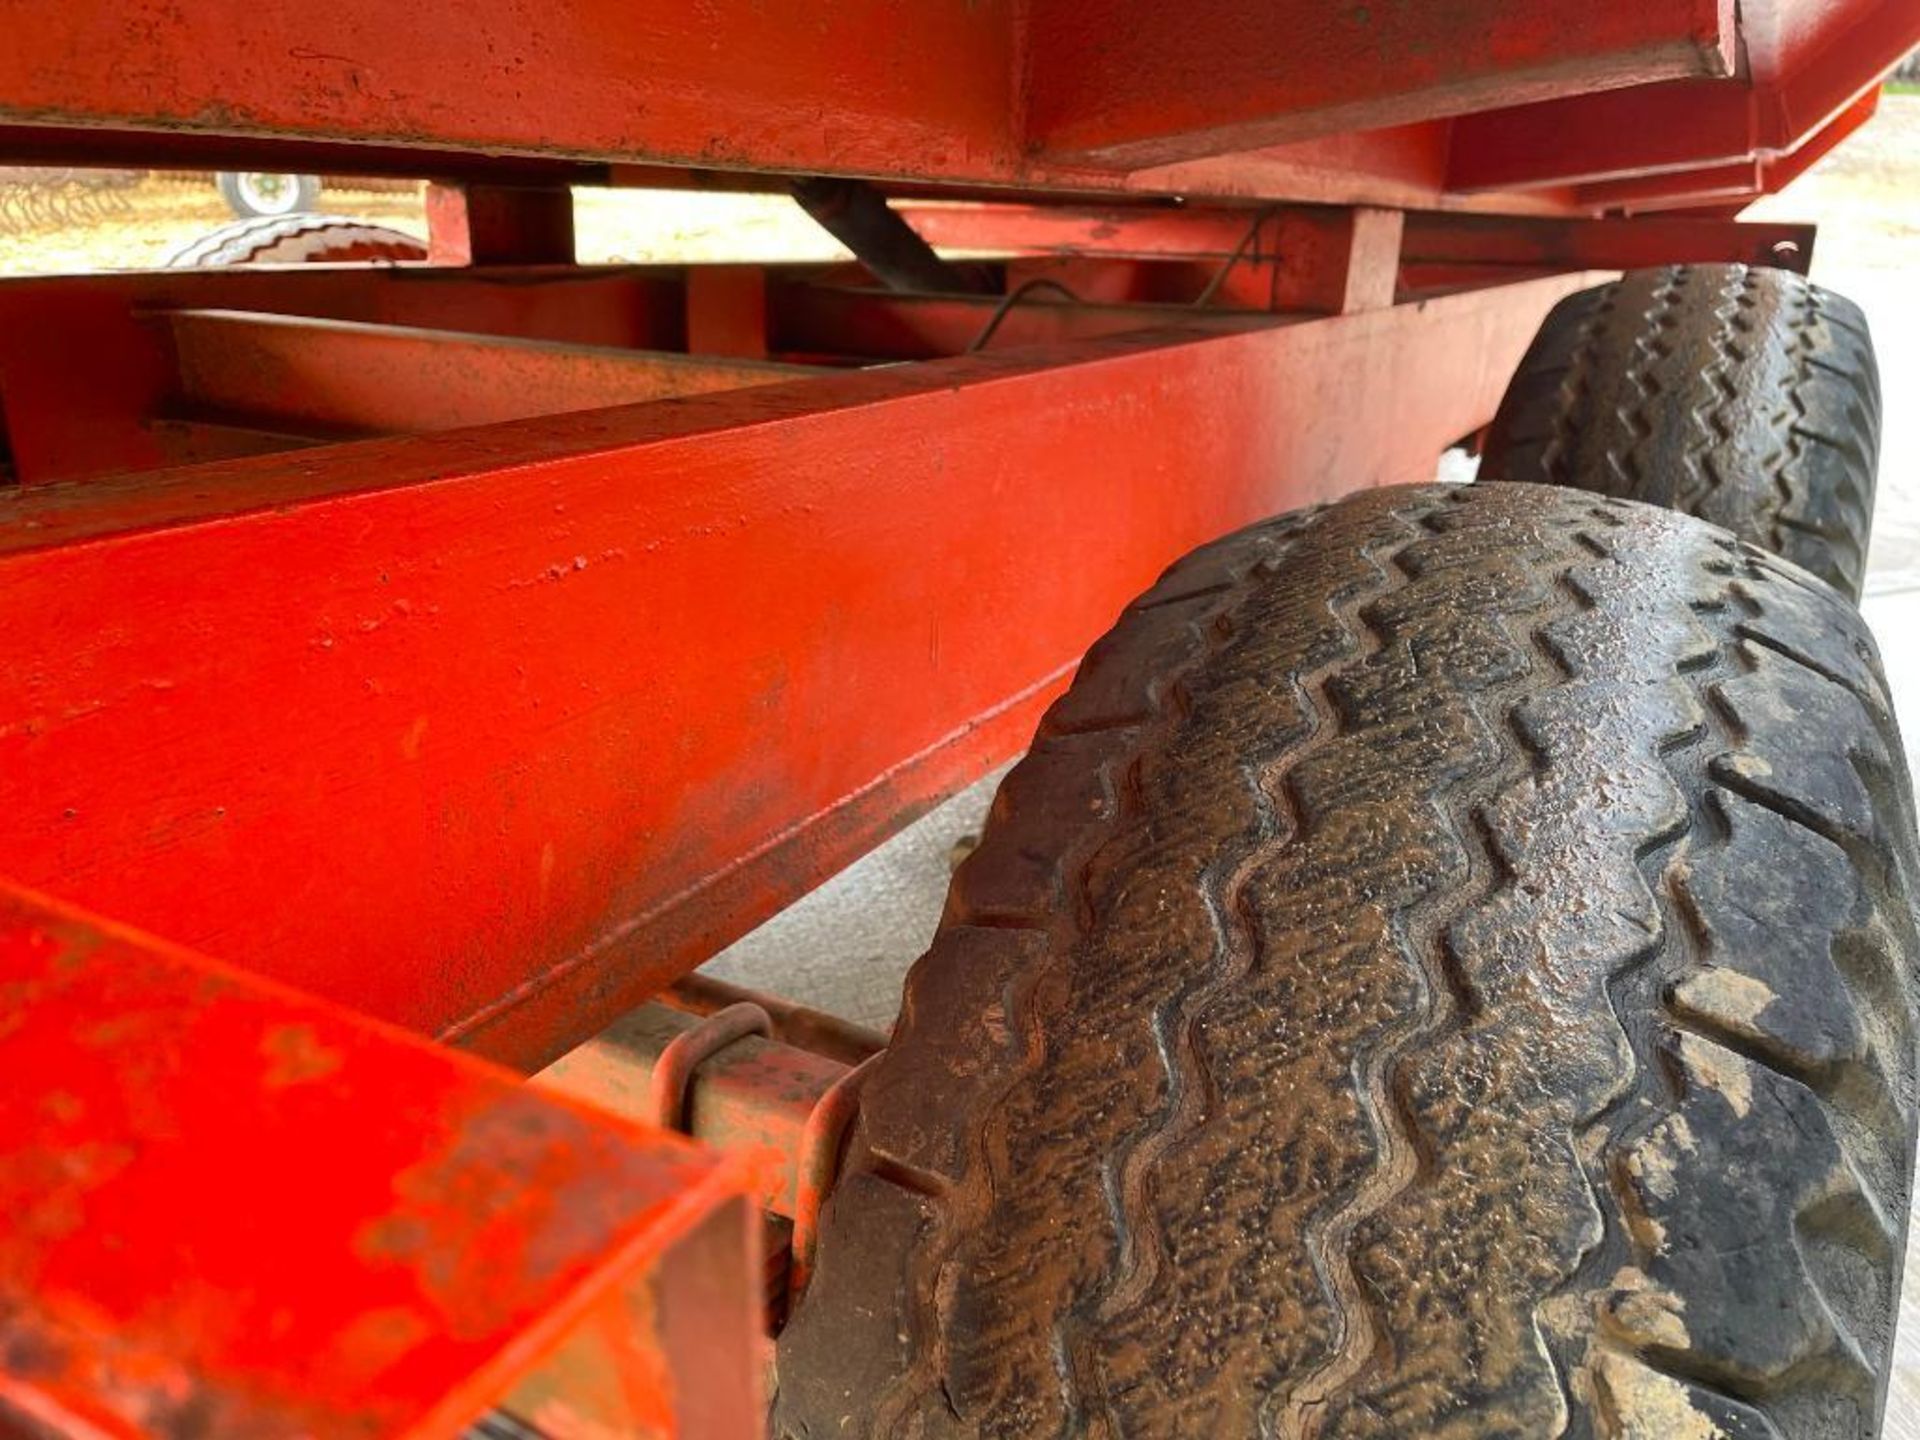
pixel 1744 395
pixel 1444 969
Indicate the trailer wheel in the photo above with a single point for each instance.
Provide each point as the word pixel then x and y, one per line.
pixel 1446 968
pixel 266 192
pixel 298 240
pixel 1746 396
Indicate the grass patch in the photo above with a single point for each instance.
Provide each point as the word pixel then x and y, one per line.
pixel 1903 87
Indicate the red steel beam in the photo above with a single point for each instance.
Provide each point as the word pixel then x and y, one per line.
pixel 87 370
pixel 898 86
pixel 927 94
pixel 344 378
pixel 1621 135
pixel 1731 184
pixel 1328 259
pixel 809 319
pixel 727 310
pixel 752 1098
pixel 195 442
pixel 1134 83
pixel 1801 78
pixel 104 398
pixel 1181 250
pixel 482 224
pixel 235 1212
pixel 493 733
pixel 1438 239
pixel 1399 166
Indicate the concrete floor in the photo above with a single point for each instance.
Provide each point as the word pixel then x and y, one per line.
pixel 846 947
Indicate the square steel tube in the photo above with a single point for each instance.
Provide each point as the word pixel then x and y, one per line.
pixel 238 1213
pixel 492 733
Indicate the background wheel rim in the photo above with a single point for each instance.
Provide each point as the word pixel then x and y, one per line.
pixel 268 193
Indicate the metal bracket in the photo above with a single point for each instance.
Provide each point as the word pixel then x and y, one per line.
pixel 673 1071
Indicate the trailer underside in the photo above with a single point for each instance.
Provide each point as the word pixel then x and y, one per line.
pixel 462 653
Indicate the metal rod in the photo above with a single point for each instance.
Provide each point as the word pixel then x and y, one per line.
pixel 858 216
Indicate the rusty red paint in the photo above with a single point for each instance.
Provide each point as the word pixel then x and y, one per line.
pixel 822 1141
pixel 747 1094
pixel 708 651
pixel 235 1211
pixel 784 1111
pixel 1294 100
pixel 793 1024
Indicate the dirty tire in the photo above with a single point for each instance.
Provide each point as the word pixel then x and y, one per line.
pixel 298 240
pixel 1444 969
pixel 1743 395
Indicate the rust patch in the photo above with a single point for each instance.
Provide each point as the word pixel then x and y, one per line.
pixel 296 1056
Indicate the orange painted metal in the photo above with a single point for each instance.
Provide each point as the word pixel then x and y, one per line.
pixel 1806 64
pixel 482 224
pixel 492 733
pixel 727 310
pixel 136 384
pixel 233 1211
pixel 667 1098
pixel 1128 85
pixel 346 379
pixel 1212 235
pixel 749 1095
pixel 822 1143
pixel 1308 258
pixel 793 1024
pixel 876 326
pixel 1432 241
pixel 1621 135
pixel 1294 100
pixel 1323 260
pixel 88 372
pixel 722 1078
pixel 1734 184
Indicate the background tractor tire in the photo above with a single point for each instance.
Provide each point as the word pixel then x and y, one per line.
pixel 299 240
pixel 1746 396
pixel 259 192
pixel 1445 969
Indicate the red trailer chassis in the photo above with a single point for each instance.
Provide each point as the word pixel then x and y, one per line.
pixel 463 653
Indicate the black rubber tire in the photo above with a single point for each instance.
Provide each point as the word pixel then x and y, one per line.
pixel 299 240
pixel 1446 969
pixel 1743 395
pixel 302 195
